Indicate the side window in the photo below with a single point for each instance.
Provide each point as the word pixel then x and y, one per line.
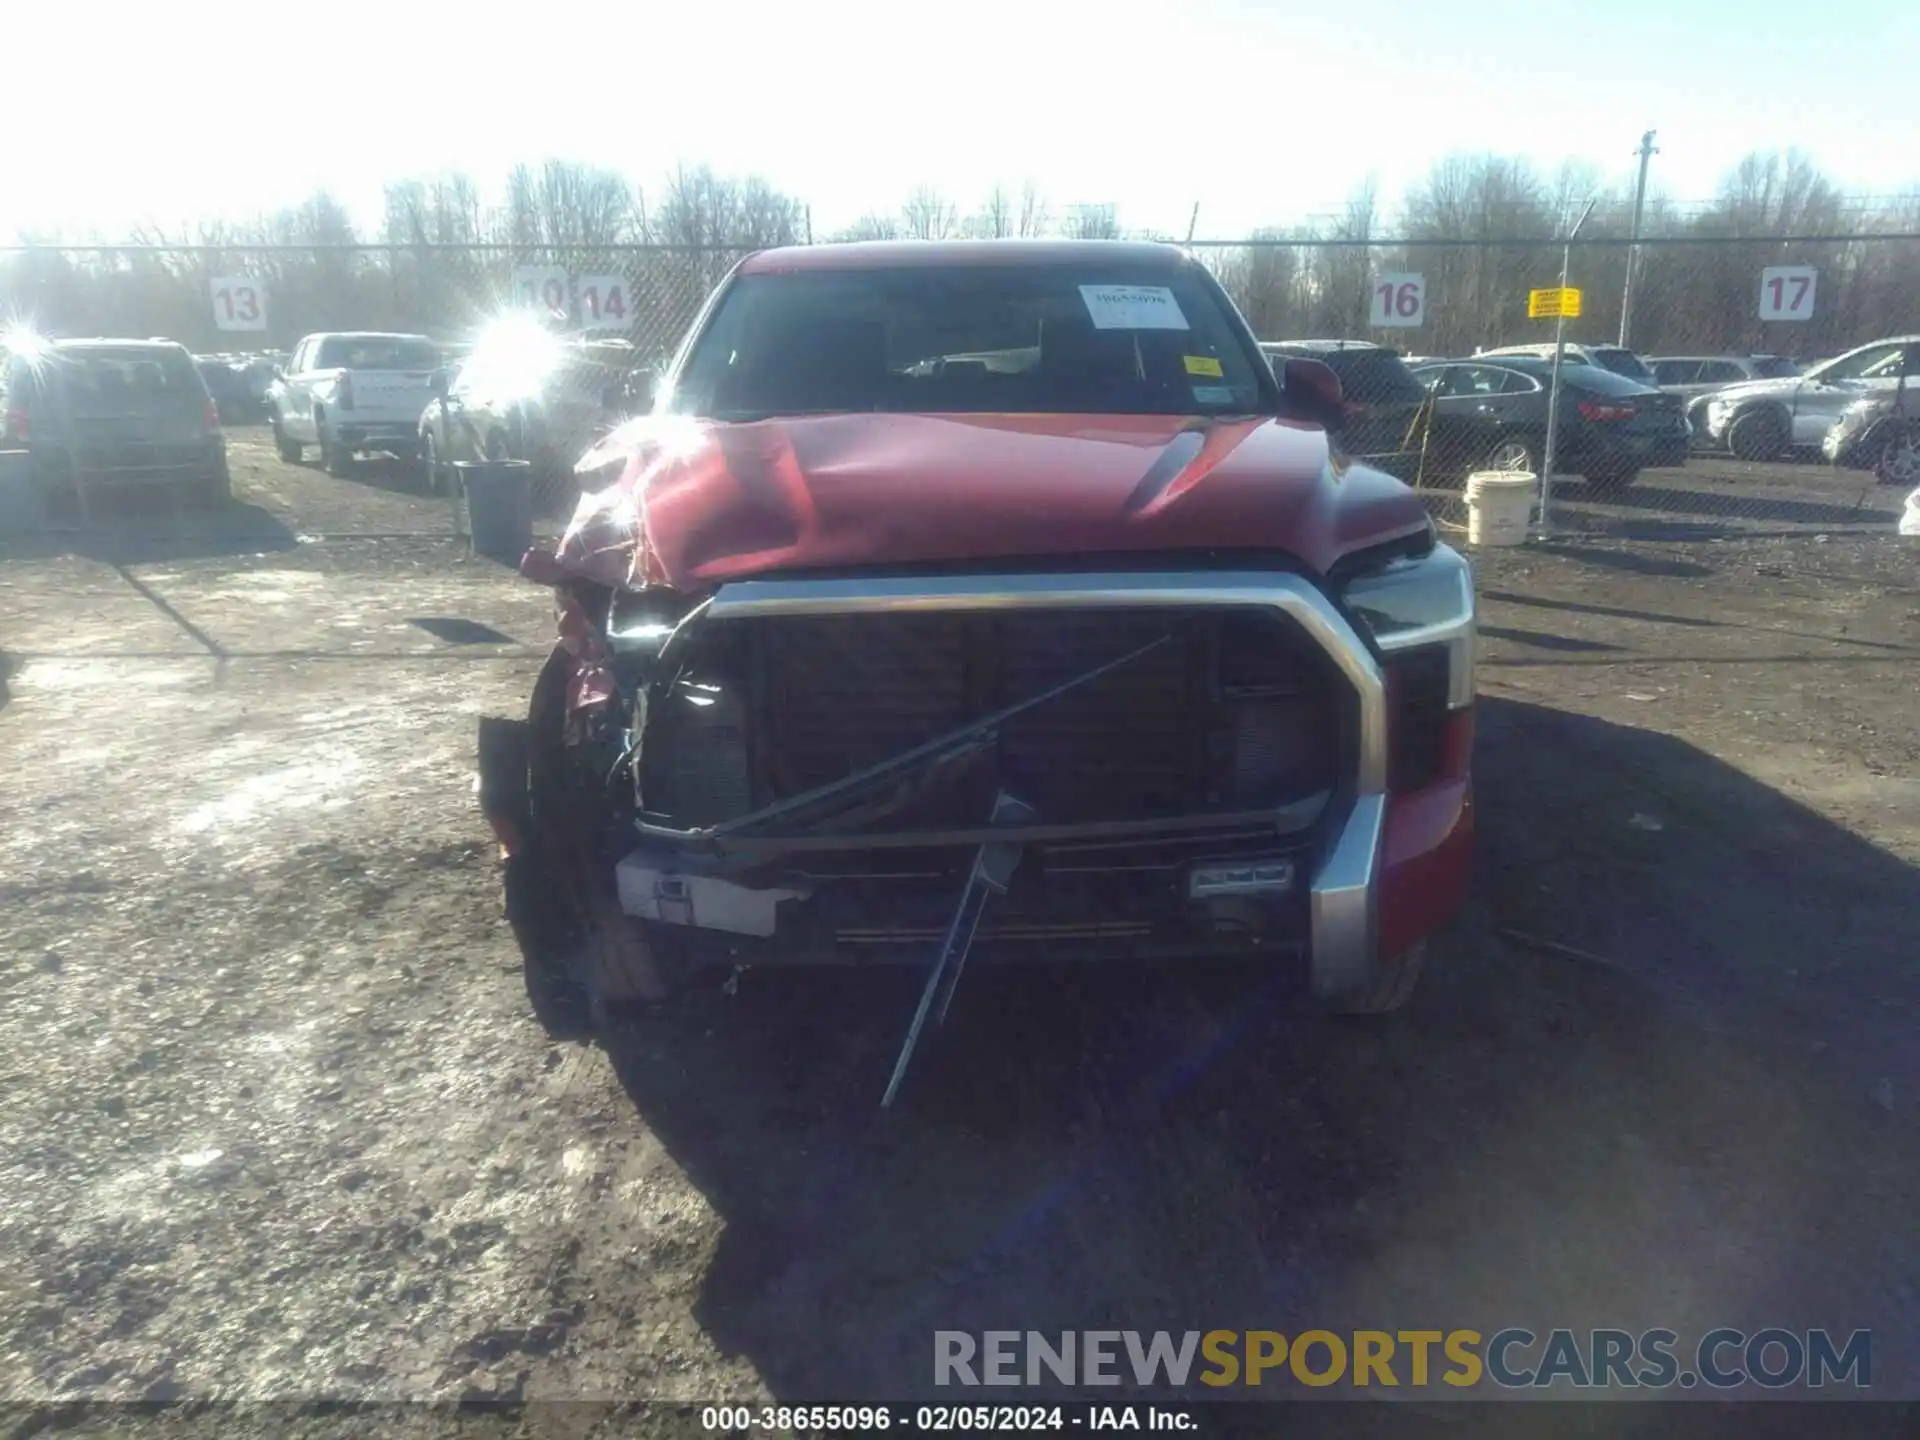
pixel 1910 366
pixel 1860 366
pixel 1721 372
pixel 1470 380
pixel 1678 372
pixel 301 355
pixel 1512 382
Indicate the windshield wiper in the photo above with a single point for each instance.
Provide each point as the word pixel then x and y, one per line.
pixel 970 736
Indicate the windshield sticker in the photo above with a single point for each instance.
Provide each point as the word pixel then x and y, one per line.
pixel 1213 394
pixel 1133 307
pixel 1202 365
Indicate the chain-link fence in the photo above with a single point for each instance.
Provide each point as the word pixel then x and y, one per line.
pixel 1802 299
pixel 1690 294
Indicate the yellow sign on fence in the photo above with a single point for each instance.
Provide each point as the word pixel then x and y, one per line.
pixel 1546 304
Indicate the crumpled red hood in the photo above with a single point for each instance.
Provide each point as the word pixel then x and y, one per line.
pixel 698 504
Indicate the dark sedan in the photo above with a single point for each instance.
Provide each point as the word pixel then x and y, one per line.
pixel 1610 429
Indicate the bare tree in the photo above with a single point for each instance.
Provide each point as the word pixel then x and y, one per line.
pixel 995 218
pixel 1092 222
pixel 872 227
pixel 1034 217
pixel 928 215
pixel 561 205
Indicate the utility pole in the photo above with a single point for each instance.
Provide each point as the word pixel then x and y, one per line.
pixel 1553 387
pixel 1647 152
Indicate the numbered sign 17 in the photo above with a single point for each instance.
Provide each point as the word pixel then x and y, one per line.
pixel 1399 301
pixel 603 302
pixel 1786 292
pixel 542 287
pixel 239 303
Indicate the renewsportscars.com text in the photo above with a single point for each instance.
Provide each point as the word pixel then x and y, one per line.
pixel 1513 1358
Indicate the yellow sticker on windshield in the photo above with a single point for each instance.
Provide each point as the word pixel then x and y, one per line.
pixel 1203 365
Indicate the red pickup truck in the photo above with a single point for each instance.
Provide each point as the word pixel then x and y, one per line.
pixel 995 600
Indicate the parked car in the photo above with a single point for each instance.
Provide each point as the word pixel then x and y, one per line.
pixel 528 396
pixel 232 395
pixel 996 579
pixel 112 411
pixel 1767 419
pixel 350 392
pixel 1616 358
pixel 1880 433
pixel 1387 411
pixel 1694 375
pixel 1695 378
pixel 1610 427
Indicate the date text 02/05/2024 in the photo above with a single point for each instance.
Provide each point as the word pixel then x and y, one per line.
pixel 939 1419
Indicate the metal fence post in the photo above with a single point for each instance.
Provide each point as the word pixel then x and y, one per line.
pixel 1553 389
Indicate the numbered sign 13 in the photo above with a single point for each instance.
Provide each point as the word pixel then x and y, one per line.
pixel 1786 292
pixel 603 302
pixel 239 303
pixel 1399 301
pixel 541 287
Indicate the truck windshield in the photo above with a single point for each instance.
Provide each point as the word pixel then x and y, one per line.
pixel 976 339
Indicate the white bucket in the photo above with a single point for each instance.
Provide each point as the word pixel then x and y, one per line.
pixel 1499 505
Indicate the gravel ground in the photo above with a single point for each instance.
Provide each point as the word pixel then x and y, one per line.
pixel 281 1124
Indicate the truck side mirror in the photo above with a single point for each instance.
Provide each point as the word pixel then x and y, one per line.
pixel 1313 392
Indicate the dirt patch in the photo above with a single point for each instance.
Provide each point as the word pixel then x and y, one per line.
pixel 281 1123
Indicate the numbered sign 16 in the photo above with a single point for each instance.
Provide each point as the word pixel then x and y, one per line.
pixel 239 303
pixel 1786 292
pixel 603 302
pixel 1399 301
pixel 542 287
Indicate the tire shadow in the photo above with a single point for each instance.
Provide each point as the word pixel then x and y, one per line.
pixel 1644 1136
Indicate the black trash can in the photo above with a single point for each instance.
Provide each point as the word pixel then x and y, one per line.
pixel 496 507
pixel 19 496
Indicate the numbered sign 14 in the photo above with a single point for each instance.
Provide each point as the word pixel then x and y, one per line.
pixel 1399 301
pixel 541 287
pixel 1786 292
pixel 239 303
pixel 603 302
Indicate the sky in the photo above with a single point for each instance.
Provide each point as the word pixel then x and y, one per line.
pixel 1262 113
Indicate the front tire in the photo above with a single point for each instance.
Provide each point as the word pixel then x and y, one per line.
pixel 1758 435
pixel 1390 987
pixel 429 465
pixel 1899 459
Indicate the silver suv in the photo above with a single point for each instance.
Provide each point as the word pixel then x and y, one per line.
pixel 1765 419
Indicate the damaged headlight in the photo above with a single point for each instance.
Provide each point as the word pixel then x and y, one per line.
pixel 1420 613
pixel 1412 604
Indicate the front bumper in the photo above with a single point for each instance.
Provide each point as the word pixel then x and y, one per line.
pixel 1377 870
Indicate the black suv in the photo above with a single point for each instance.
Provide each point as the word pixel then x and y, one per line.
pixel 1387 411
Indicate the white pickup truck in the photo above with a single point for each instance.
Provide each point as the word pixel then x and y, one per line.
pixel 351 391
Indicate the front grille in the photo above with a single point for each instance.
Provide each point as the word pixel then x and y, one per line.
pixel 1236 710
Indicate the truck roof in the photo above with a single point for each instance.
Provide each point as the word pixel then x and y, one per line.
pixel 942 254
